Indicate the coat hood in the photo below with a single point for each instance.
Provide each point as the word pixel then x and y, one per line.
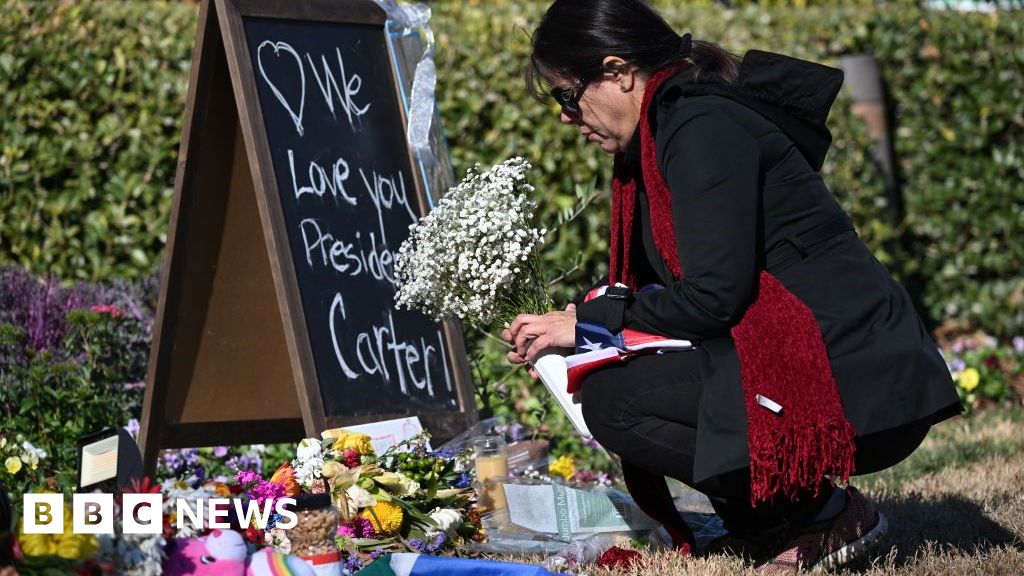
pixel 796 95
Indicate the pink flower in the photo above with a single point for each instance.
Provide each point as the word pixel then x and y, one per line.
pixel 259 489
pixel 109 309
pixel 248 477
pixel 351 458
pixel 359 527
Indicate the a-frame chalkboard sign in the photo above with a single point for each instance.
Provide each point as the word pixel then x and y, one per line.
pixel 294 190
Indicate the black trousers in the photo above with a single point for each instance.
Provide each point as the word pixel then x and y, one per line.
pixel 646 412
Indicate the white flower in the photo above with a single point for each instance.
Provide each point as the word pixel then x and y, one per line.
pixel 278 539
pixel 32 455
pixel 447 520
pixel 358 498
pixel 465 259
pixel 308 448
pixel 308 471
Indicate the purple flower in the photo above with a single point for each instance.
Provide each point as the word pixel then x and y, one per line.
pixel 446 453
pixel 220 451
pixel 1018 344
pixel 464 480
pixel 363 527
pixel 265 491
pixel 956 365
pixel 200 474
pixel 248 477
pixel 417 544
pixel 352 564
pixel 359 527
pixel 437 544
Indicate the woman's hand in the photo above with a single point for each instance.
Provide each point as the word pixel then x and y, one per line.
pixel 531 334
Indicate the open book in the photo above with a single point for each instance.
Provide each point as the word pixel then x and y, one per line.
pixel 554 373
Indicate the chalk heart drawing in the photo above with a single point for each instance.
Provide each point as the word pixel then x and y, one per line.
pixel 279 47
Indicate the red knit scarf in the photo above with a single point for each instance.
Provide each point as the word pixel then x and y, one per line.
pixel 779 343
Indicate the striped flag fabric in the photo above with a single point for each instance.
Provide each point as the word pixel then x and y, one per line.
pixel 404 564
pixel 596 347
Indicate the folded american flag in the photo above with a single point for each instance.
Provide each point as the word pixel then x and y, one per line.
pixel 596 347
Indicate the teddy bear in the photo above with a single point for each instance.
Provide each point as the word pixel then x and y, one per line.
pixel 224 553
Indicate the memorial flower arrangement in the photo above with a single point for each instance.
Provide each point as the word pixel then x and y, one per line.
pixel 408 499
pixel 983 369
pixel 475 256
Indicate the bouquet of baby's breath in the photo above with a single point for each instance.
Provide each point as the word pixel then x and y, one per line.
pixel 475 256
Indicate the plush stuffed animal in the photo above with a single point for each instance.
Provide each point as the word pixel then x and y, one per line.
pixel 223 553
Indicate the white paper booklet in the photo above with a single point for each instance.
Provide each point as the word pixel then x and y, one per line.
pixel 553 373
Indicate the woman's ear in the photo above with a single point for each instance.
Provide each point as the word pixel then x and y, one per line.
pixel 620 72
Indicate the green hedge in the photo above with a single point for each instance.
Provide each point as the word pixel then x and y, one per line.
pixel 93 92
pixel 92 97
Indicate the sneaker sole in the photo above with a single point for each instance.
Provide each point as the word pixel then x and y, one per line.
pixel 854 549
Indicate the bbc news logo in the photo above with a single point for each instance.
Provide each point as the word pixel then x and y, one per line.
pixel 144 513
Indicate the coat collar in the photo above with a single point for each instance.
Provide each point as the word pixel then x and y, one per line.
pixel 794 94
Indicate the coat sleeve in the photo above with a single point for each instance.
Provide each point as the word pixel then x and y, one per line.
pixel 712 167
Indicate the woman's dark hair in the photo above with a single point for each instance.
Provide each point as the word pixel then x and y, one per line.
pixel 575 36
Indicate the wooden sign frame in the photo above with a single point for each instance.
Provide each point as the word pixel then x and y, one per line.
pixel 231 361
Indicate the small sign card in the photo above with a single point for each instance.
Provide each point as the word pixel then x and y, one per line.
pixel 389 432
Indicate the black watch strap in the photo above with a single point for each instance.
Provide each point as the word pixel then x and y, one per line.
pixel 615 314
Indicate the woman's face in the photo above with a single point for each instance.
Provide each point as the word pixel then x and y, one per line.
pixel 609 108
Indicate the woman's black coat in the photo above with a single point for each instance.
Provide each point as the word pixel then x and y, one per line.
pixel 742 162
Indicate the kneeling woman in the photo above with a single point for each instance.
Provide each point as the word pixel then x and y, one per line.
pixel 811 363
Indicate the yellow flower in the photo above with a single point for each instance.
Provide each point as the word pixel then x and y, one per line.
pixel 13 465
pixel 68 545
pixel 359 442
pixel 386 517
pixel 339 435
pixel 969 379
pixel 564 466
pixel 333 433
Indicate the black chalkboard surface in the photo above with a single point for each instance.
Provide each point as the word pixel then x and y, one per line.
pixel 338 147
pixel 294 191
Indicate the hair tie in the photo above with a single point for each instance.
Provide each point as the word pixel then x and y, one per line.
pixel 685 45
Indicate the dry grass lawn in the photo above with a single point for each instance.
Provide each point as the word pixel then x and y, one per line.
pixel 956 506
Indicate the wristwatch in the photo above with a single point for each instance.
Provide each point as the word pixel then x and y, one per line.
pixel 618 298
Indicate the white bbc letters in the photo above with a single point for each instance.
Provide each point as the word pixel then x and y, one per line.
pixel 142 513
pixel 93 513
pixel 43 513
pixel 218 508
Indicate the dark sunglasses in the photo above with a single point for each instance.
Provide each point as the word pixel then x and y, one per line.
pixel 569 98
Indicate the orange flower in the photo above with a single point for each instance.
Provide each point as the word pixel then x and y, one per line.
pixel 220 489
pixel 285 476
